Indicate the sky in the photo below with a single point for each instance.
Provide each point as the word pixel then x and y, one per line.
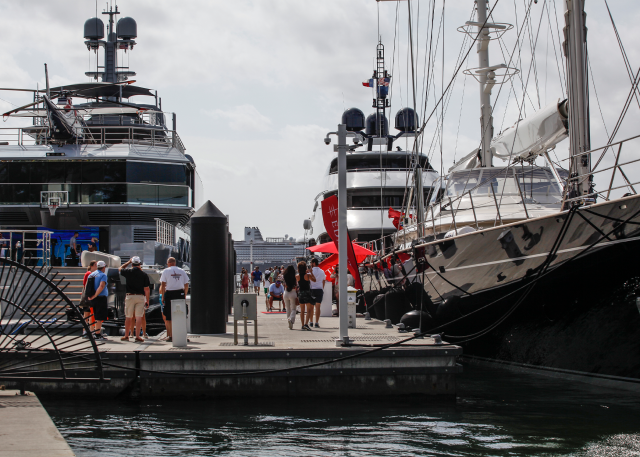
pixel 256 85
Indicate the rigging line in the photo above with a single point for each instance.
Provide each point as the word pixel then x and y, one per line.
pixel 532 47
pixel 593 83
pixel 564 70
pixel 424 123
pixel 442 94
pixel 555 53
pixel 622 50
pixel 455 151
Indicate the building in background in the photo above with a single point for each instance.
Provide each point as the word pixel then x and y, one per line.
pixel 266 253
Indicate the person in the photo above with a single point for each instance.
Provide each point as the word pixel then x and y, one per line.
pixel 256 275
pixel 73 246
pixel 94 241
pixel 3 246
pixel 244 276
pixel 317 289
pixel 91 247
pixel 137 298
pixel 336 288
pixel 99 299
pixel 276 293
pixel 87 311
pixel 274 274
pixel 267 283
pixel 304 279
pixel 290 295
pixel 174 285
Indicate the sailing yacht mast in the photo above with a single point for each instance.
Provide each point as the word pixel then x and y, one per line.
pixel 575 50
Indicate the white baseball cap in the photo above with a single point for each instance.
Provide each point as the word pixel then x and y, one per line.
pixel 136 260
pixel 101 264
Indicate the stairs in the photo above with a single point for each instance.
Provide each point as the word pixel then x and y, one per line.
pixel 73 276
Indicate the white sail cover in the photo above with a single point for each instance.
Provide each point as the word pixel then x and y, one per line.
pixel 533 135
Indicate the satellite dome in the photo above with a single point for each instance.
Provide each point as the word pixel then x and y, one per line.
pixel 406 120
pixel 94 29
pixel 127 29
pixel 377 125
pixel 353 118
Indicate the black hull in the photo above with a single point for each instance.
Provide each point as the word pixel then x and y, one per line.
pixel 579 315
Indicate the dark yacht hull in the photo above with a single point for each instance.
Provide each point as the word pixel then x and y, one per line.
pixel 497 299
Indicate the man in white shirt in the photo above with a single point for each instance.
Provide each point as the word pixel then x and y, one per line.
pixel 317 289
pixel 266 280
pixel 174 285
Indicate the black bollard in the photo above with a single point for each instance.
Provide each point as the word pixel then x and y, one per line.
pixel 209 270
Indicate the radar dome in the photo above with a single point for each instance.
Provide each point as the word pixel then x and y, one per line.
pixel 94 29
pixel 127 29
pixel 377 125
pixel 406 120
pixel 353 118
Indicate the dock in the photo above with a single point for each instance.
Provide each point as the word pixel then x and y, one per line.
pixel 26 429
pixel 212 366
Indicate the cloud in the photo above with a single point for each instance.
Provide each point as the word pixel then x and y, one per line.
pixel 243 117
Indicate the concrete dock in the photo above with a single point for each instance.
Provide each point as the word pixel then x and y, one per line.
pixel 211 365
pixel 26 429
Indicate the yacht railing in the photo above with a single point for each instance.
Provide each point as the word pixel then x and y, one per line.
pixel 146 135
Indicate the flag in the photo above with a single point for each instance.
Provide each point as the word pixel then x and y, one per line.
pixel 368 83
pixel 384 82
pixel 330 217
pixel 397 217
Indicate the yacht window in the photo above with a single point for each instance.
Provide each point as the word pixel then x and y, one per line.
pixel 19 172
pixel 3 172
pixel 461 182
pixel 500 179
pixel 55 172
pixel 377 161
pixel 536 182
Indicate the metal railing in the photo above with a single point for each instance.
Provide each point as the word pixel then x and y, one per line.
pixel 28 247
pixel 99 135
pixel 165 232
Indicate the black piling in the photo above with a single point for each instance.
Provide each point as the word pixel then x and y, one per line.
pixel 209 270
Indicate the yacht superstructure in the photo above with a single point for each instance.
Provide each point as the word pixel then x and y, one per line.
pixel 379 177
pixel 108 167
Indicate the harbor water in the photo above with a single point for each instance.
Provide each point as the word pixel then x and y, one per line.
pixel 496 413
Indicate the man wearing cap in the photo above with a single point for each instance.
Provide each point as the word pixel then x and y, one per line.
pixel 257 277
pixel 276 292
pixel 99 299
pixel 137 299
pixel 174 285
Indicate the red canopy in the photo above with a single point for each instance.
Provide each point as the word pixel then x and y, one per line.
pixel 330 247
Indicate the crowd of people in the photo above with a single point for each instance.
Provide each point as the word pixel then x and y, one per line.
pixel 294 290
pixel 174 285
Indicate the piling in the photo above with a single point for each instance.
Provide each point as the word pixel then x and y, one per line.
pixel 209 270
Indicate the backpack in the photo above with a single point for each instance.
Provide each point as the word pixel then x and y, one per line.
pixel 89 290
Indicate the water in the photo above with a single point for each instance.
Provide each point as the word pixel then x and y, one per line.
pixel 497 413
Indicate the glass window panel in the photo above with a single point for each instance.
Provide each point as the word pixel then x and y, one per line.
pixel 20 193
pixel 142 194
pixel 115 171
pixel 173 195
pixel 104 193
pixel 93 171
pixel 5 193
pixel 55 172
pixel 18 172
pixel 537 182
pixel 73 172
pixel 4 171
pixel 38 172
pixel 140 172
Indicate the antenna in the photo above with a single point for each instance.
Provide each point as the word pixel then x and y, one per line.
pixel 46 77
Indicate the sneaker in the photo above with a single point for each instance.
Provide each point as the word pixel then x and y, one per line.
pixel 84 335
pixel 284 310
pixel 306 327
pixel 100 336
pixel 290 324
pixel 169 340
pixel 146 336
pixel 317 325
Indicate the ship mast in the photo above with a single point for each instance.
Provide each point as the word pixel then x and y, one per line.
pixel 575 50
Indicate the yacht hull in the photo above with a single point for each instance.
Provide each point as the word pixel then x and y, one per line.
pixel 576 313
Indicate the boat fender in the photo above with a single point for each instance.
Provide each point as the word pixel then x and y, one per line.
pixel 419 298
pixel 412 320
pixel 449 310
pixel 376 309
pixel 395 305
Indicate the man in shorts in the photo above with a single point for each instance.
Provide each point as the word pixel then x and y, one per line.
pixel 99 299
pixel 317 290
pixel 137 299
pixel 174 285
pixel 276 293
pixel 256 275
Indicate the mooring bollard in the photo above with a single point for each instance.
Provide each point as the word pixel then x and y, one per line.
pixel 179 323
pixel 245 308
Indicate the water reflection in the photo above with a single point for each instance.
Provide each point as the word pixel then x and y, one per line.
pixel 497 414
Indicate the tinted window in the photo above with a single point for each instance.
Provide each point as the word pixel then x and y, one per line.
pixel 156 173
pixel 93 171
pixel 3 172
pixel 20 193
pixel 173 195
pixel 38 172
pixel 115 171
pixel 376 161
pixel 141 194
pixel 73 171
pixel 55 172
pixel 18 172
pixel 104 193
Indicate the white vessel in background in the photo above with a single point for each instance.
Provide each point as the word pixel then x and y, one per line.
pixel 379 177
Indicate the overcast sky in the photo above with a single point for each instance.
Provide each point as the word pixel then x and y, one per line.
pixel 257 84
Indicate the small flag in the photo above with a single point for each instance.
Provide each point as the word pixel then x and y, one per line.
pixel 368 83
pixel 384 82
